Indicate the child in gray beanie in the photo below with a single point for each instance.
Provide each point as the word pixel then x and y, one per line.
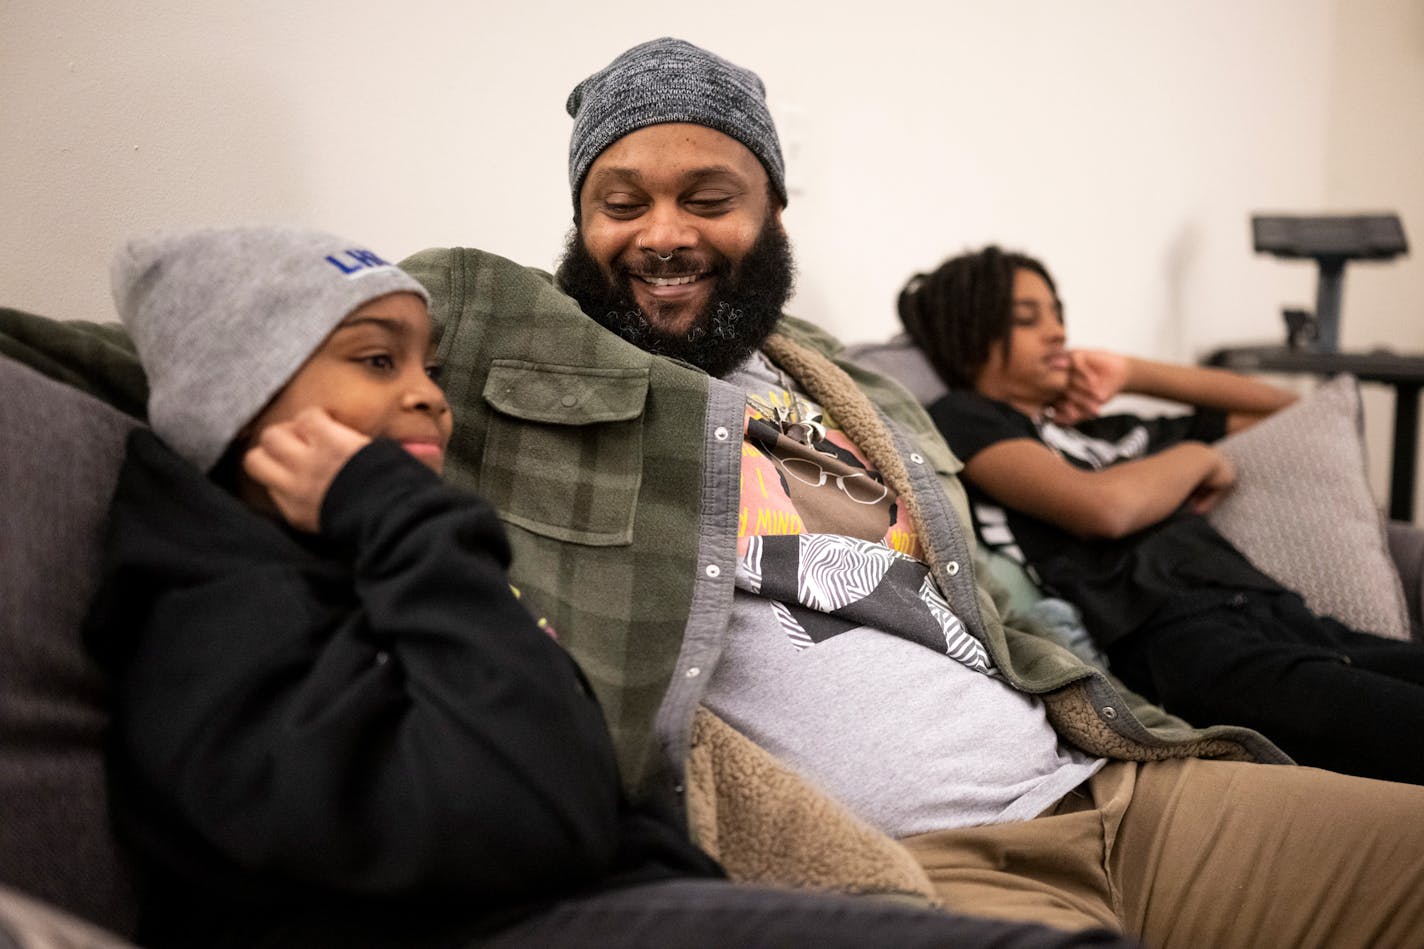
pixel 227 320
pixel 334 724
pixel 222 319
pixel 330 705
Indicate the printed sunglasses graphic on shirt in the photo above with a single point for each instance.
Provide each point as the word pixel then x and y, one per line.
pixel 856 485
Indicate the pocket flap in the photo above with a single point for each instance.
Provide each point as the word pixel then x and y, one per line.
pixel 565 395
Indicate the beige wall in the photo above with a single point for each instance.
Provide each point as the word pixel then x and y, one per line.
pixel 1125 143
pixel 1375 159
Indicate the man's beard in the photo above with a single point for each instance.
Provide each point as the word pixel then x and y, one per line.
pixel 740 314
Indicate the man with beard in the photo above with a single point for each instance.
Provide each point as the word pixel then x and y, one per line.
pixel 742 302
pixel 685 475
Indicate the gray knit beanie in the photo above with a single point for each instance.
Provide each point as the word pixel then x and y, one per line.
pixel 668 80
pixel 222 319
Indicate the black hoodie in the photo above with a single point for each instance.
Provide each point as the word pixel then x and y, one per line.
pixel 357 735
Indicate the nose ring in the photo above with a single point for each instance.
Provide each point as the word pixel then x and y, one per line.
pixel 664 259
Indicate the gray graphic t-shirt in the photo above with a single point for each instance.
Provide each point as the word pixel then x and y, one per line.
pixel 844 659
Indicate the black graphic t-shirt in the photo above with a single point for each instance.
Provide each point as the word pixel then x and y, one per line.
pixel 1175 567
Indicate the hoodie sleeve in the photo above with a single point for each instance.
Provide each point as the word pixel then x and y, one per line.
pixel 386 719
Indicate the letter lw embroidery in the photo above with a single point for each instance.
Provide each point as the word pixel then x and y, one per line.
pixel 357 260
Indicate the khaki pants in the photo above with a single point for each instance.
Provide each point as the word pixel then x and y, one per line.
pixel 1194 853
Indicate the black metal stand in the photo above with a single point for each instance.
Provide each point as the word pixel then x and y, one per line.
pixel 1331 240
pixel 1404 373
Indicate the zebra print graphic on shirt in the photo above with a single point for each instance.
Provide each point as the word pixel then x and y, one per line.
pixel 1098 453
pixel 822 585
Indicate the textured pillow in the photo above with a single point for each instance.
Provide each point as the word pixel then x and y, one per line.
pixel 1302 510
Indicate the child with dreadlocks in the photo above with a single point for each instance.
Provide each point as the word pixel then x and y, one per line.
pixel 1107 511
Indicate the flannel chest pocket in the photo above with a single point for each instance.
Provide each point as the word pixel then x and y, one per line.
pixel 563 455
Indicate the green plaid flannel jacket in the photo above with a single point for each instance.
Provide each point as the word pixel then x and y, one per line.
pixel 617 473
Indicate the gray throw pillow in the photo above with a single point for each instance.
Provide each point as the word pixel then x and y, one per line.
pixel 1303 513
pixel 61 451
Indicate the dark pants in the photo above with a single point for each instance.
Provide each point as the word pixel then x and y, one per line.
pixel 713 914
pixel 1328 696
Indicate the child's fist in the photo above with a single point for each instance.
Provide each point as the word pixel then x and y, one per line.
pixel 297 460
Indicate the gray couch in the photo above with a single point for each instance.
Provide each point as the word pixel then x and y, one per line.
pixel 61 450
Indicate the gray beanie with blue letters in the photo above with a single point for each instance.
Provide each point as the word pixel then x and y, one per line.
pixel 222 320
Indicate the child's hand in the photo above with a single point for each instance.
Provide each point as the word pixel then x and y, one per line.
pixel 296 462
pixel 1214 486
pixel 1095 377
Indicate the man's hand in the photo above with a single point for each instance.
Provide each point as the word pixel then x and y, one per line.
pixel 296 461
pixel 1219 479
pixel 1095 377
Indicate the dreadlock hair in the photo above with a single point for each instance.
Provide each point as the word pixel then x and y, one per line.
pixel 956 313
